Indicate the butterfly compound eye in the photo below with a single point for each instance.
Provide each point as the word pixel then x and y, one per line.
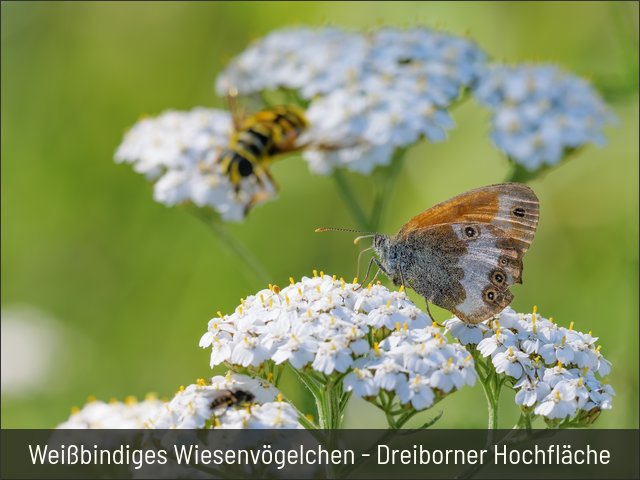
pixel 470 232
pixel 519 212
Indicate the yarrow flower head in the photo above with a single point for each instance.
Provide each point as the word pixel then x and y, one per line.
pixel 556 371
pixel 232 401
pixel 367 95
pixel 314 61
pixel 378 340
pixel 540 113
pixel 129 414
pixel 179 152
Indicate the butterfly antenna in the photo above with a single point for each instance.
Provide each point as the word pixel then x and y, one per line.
pixel 337 229
pixel 357 239
pixel 350 230
pixel 366 276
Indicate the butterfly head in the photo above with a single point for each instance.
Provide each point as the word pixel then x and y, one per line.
pixel 388 254
pixel 381 244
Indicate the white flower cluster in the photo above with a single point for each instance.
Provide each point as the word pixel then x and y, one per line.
pixel 178 151
pixel 415 364
pixel 313 61
pixel 369 94
pixel 377 337
pixel 553 368
pixel 540 112
pixel 232 401
pixel 129 414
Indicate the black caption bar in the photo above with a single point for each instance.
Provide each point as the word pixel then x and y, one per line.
pixel 423 454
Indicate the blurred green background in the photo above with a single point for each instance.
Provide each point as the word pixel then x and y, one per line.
pixel 132 283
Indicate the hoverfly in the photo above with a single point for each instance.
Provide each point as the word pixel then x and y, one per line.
pixel 258 138
pixel 229 398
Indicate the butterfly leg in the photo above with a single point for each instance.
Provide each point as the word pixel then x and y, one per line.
pixel 358 263
pixel 404 286
pixel 380 269
pixel 375 276
pixel 433 319
pixel 371 262
pixel 426 301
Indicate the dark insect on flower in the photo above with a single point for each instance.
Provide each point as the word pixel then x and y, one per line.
pixel 229 398
pixel 258 138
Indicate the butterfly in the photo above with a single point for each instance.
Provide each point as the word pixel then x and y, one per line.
pixel 465 253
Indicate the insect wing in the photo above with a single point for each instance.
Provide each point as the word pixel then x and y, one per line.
pixel 467 268
pixel 512 207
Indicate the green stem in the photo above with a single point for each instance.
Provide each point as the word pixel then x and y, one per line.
pixel 405 418
pixel 241 251
pixel 278 375
pixel 389 176
pixel 519 174
pixel 350 200
pixel 386 402
pixel 390 420
pixel 527 421
pixel 317 396
pixel 336 414
pixel 329 398
pixel 326 406
pixel 386 180
pixel 493 414
pixel 491 385
pixel 344 400
pixel 524 421
pixel 302 418
pixel 253 268
pixel 333 404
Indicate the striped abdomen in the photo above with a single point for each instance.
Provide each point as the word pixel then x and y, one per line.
pixel 260 137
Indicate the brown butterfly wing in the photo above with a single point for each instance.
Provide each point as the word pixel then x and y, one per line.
pixel 466 268
pixel 512 207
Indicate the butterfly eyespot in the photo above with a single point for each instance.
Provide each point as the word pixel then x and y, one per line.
pixel 504 261
pixel 470 232
pixel 519 212
pixel 490 295
pixel 498 276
